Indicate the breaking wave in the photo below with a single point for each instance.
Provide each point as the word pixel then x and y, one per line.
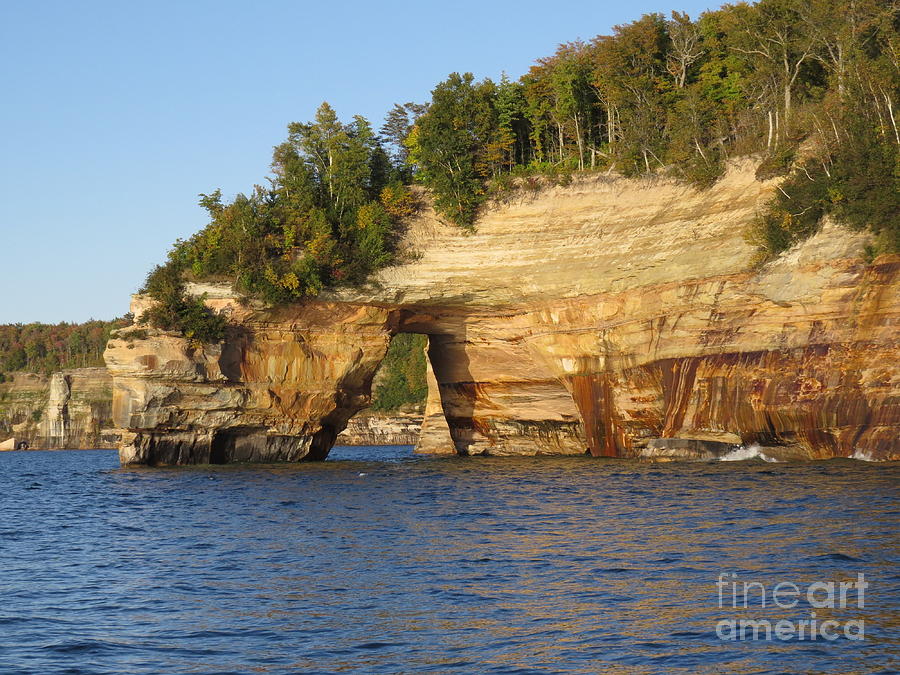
pixel 746 452
pixel 864 456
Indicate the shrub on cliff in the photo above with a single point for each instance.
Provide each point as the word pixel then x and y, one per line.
pixel 329 217
pixel 176 311
pixel 452 145
pixel 856 179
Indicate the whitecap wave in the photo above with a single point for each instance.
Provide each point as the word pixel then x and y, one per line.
pixel 746 452
pixel 864 456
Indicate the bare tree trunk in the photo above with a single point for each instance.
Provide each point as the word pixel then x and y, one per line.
pixel 878 110
pixel 777 129
pixel 579 141
pixel 700 150
pixel 611 127
pixel 561 140
pixel 890 107
pixel 787 104
pixel 837 136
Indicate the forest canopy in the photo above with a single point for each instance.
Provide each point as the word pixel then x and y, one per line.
pixel 44 348
pixel 808 86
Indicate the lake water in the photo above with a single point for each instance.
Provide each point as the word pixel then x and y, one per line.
pixel 379 561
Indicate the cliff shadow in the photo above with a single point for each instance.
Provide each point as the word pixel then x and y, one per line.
pixel 237 338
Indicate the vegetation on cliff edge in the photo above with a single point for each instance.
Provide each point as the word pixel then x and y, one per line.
pixel 808 85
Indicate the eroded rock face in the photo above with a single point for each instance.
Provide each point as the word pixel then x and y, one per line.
pixel 280 388
pixel 375 428
pixel 595 317
pixel 69 409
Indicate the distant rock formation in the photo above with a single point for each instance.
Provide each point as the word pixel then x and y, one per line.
pixel 69 409
pixel 595 318
pixel 372 428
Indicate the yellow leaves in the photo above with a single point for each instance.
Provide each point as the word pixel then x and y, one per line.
pixel 398 201
pixel 413 146
pixel 835 195
pixel 366 215
pixel 290 237
pixel 319 245
pixel 290 281
pixel 786 221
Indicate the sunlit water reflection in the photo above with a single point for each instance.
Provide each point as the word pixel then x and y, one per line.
pixel 380 561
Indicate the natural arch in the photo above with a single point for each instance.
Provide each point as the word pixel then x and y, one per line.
pixel 612 315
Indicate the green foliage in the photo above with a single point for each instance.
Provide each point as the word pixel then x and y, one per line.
pixel 398 124
pixel 328 217
pixel 176 311
pixel 686 95
pixel 675 94
pixel 864 188
pixel 403 381
pixel 452 145
pixel 776 163
pixel 857 182
pixel 132 335
pixel 44 348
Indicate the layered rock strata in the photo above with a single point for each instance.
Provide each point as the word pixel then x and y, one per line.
pixel 372 428
pixel 595 317
pixel 69 409
pixel 279 388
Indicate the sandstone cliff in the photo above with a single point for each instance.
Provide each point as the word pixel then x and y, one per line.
pixel 372 428
pixel 69 409
pixel 595 317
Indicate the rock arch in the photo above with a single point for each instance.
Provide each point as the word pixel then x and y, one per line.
pixel 611 315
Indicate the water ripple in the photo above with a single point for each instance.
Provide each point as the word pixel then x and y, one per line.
pixel 379 561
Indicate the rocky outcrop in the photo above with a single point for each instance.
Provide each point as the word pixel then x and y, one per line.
pixel 595 317
pixel 280 388
pixel 377 428
pixel 434 436
pixel 69 409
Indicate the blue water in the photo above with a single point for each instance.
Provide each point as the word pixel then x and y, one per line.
pixel 378 561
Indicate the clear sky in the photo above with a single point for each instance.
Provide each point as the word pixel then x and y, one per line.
pixel 116 114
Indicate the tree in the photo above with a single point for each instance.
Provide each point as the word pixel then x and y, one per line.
pixel 686 47
pixel 35 350
pixel 631 78
pixel 570 76
pixel 452 144
pixel 16 359
pixel 512 122
pixel 773 35
pixel 339 155
pixel 397 124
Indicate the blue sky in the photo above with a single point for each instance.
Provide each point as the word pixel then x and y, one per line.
pixel 115 115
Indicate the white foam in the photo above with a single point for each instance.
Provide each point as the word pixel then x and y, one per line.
pixel 746 452
pixel 864 456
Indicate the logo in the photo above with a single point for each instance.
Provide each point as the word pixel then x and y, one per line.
pixel 762 601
